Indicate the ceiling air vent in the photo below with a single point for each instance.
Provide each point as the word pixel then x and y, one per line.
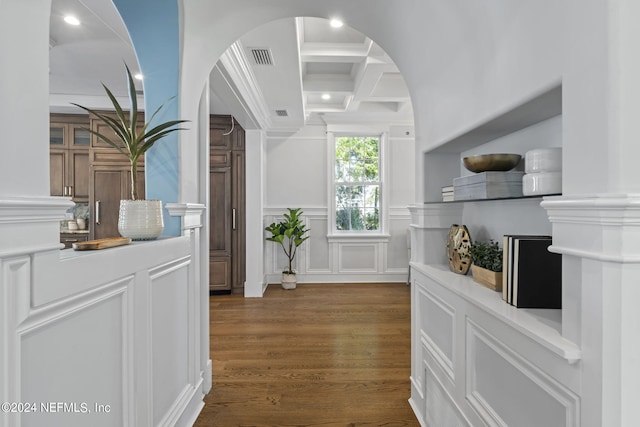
pixel 261 55
pixel 282 113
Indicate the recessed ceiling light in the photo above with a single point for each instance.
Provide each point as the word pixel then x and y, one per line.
pixel 336 23
pixel 71 20
pixel 326 96
pixel 138 76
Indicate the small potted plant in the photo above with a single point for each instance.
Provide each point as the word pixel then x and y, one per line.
pixel 289 233
pixel 486 267
pixel 139 219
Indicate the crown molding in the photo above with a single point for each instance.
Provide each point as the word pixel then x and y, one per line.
pixel 601 227
pixel 600 209
pixel 236 67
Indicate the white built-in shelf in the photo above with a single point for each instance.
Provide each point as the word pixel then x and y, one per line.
pixel 539 107
pixel 543 326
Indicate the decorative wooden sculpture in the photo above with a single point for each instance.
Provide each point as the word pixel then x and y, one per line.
pixel 458 245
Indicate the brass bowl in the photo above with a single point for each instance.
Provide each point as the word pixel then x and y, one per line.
pixel 491 162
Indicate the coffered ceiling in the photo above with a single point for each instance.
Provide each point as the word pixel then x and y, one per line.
pixel 278 77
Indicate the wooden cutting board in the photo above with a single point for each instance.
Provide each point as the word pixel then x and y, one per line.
pixel 97 244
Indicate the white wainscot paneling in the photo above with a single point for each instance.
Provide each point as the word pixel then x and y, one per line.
pixel 170 339
pixel 397 249
pixel 506 390
pixel 91 358
pixel 358 257
pixel 319 250
pixel 440 409
pixel 437 326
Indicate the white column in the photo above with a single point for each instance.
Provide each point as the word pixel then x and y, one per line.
pixel 254 151
pixel 24 91
pixel 599 237
pixel 601 97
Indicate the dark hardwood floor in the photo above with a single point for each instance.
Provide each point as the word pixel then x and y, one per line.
pixel 320 355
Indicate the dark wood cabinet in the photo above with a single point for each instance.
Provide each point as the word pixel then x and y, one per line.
pixel 227 260
pixel 109 185
pixel 109 181
pixel 69 156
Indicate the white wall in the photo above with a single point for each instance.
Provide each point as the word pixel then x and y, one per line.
pixel 297 175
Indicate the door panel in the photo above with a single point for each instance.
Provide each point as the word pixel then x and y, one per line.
pixel 107 187
pixel 79 175
pixel 218 126
pixel 220 228
pixel 57 171
pixel 239 233
pixel 219 273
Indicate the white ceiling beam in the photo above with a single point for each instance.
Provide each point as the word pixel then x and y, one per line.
pixel 390 85
pixel 320 83
pixel 333 52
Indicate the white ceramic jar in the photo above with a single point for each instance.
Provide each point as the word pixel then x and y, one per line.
pixel 543 160
pixel 534 184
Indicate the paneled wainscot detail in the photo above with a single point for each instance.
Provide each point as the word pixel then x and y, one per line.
pixel 440 408
pixel 119 336
pixel 327 258
pixel 507 390
pixel 437 327
pixel 479 361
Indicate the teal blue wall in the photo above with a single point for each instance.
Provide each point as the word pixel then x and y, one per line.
pixel 153 26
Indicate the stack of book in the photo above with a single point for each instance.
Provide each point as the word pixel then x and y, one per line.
pixel 488 185
pixel 531 275
pixel 447 193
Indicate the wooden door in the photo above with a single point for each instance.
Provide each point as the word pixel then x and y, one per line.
pixel 78 174
pixel 107 187
pixel 220 220
pixel 227 203
pixel 57 172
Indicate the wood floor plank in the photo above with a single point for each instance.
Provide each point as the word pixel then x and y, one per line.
pixel 320 355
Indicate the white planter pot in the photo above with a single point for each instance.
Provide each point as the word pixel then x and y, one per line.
pixel 140 219
pixel 288 281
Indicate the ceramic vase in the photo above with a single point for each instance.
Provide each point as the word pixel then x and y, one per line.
pixel 140 219
pixel 288 281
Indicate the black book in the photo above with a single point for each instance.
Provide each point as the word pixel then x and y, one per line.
pixel 507 262
pixel 537 274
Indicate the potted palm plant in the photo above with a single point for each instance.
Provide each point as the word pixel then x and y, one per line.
pixel 289 234
pixel 138 219
pixel 487 264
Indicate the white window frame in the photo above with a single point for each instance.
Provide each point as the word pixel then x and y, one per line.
pixel 381 234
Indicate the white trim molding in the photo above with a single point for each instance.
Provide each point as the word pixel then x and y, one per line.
pixel 599 227
pixel 33 209
pixel 235 65
pixel 31 224
pixel 191 213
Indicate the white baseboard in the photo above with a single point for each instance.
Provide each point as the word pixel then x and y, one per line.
pixel 344 278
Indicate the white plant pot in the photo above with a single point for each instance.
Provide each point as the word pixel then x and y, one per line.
pixel 140 219
pixel 288 281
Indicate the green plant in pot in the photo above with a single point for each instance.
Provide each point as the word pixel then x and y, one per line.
pixel 138 219
pixel 487 264
pixel 289 234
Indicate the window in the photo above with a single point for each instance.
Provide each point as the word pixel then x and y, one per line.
pixel 357 183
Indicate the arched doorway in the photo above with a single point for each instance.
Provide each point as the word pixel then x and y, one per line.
pixel 294 81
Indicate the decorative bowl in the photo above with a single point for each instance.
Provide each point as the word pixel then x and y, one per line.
pixel 491 162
